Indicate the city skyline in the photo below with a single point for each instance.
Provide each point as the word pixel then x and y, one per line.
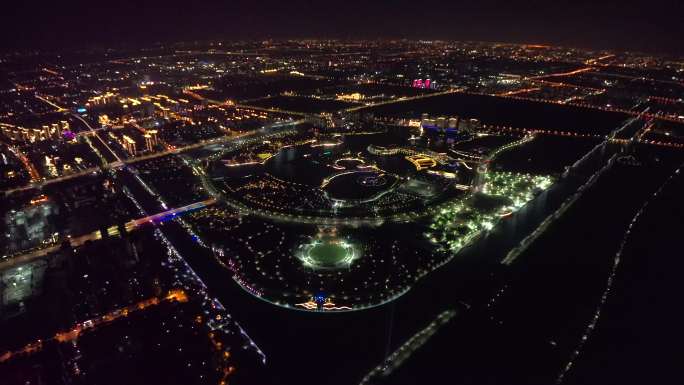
pixel 653 26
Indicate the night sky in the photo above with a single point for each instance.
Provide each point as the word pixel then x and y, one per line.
pixel 656 25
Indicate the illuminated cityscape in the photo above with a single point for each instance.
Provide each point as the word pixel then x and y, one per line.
pixel 339 211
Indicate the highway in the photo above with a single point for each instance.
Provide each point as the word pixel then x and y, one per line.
pixel 573 104
pixel 38 184
pixel 605 296
pixel 132 225
pixel 30 168
pixel 569 73
pixel 273 110
pixel 59 108
pixel 265 109
pixel 570 200
pixel 406 350
pixel 219 319
pixel 404 99
pixel 80 328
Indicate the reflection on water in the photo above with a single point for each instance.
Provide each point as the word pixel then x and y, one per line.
pixel 308 164
pixel 303 164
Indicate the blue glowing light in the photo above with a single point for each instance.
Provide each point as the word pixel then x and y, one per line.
pixel 319 298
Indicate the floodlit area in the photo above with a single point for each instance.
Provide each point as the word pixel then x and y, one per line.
pixel 501 194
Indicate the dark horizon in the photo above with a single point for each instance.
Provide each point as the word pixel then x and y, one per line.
pixel 649 26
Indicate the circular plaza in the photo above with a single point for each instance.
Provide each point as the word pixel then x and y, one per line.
pixel 327 253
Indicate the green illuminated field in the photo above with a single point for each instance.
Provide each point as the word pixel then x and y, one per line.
pixel 328 254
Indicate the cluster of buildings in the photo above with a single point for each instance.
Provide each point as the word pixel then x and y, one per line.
pixel 130 144
pixel 351 97
pixel 444 124
pixel 53 131
pixel 427 83
pixel 103 99
pixel 30 225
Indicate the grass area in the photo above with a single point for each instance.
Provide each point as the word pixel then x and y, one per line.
pixel 327 253
pixel 502 193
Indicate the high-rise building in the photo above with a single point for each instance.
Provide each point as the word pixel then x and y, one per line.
pixel 150 140
pixel 106 98
pixel 129 144
pixel 441 123
pixel 469 125
pixel 148 143
pixel 453 122
pixel 424 119
pixel 64 125
pixel 427 83
pixel 45 134
pixel 55 131
pixel 153 134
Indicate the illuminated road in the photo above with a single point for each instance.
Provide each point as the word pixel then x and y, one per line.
pixel 575 104
pixel 404 99
pixel 111 231
pixel 407 349
pixel 120 162
pixel 570 201
pixel 593 321
pixel 59 108
pixel 299 113
pixel 30 168
pixel 273 110
pixel 246 106
pixel 220 319
pixel 39 185
pixel 596 61
pixel 517 92
pixel 569 73
pixel 90 325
